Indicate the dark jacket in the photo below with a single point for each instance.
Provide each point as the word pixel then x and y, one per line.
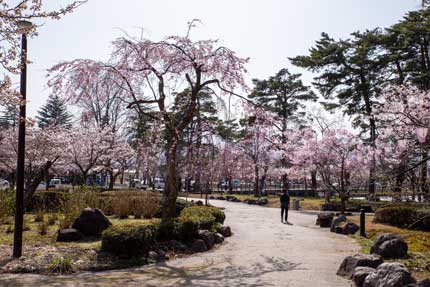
pixel 285 199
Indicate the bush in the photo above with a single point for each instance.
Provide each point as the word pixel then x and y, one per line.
pixel 61 265
pixel 48 200
pixel 73 206
pixel 7 205
pixel 129 240
pixel 122 207
pixel 403 216
pixel 146 204
pixel 202 216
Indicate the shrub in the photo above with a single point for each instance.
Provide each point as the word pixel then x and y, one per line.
pixel 61 265
pixel 146 204
pixel 48 200
pixel 7 205
pixel 200 215
pixel 122 207
pixel 129 240
pixel 403 216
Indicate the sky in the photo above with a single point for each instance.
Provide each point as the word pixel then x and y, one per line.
pixel 266 31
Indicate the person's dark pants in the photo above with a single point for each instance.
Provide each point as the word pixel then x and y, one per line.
pixel 284 210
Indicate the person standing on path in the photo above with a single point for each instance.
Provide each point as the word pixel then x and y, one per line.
pixel 285 204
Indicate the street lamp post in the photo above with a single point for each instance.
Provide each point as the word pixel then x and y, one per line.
pixel 23 28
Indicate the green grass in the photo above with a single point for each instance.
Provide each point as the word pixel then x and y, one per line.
pixel 32 237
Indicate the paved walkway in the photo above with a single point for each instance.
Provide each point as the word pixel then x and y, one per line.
pixel 262 252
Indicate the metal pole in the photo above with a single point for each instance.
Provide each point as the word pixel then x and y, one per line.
pixel 362 223
pixel 19 205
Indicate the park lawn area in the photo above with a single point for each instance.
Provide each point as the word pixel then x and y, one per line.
pixel 32 237
pixel 418 241
pixel 307 203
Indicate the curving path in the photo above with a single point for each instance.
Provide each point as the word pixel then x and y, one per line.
pixel 262 252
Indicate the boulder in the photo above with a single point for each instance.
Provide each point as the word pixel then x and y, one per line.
pixel 177 246
pixel 337 222
pixel 91 222
pixel 262 201
pixel 349 264
pixel 360 274
pixel 199 246
pixel 424 283
pixel 390 246
pixel 219 238
pixel 325 219
pixel 152 255
pixel 349 228
pixel 225 231
pixel 208 237
pixel 69 235
pixel 389 275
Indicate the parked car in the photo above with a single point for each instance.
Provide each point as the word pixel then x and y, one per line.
pixel 159 183
pixel 4 184
pixel 55 183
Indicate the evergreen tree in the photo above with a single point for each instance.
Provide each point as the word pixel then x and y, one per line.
pixel 9 117
pixel 54 113
pixel 284 95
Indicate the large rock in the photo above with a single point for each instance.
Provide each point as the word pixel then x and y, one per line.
pixel 199 246
pixel 390 246
pixel 360 274
pixel 349 228
pixel 225 231
pixel 325 219
pixel 337 222
pixel 219 238
pixel 389 275
pixel 262 201
pixel 208 237
pixel 349 264
pixel 91 222
pixel 177 246
pixel 68 235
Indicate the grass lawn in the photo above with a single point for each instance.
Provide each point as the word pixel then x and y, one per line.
pixel 419 245
pixel 32 236
pixel 308 203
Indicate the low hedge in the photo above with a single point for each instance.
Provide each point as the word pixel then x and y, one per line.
pixel 134 240
pixel 404 216
pixel 50 200
pixel 130 240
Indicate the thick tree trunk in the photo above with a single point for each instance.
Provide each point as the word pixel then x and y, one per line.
pixel 111 179
pixel 33 180
pixel 171 190
pixel 314 182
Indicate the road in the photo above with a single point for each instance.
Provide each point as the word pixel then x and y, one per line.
pixel 262 252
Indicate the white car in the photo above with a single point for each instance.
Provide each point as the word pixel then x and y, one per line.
pixel 4 184
pixel 159 183
pixel 55 183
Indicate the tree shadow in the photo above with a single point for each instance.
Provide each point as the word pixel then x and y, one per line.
pixel 163 274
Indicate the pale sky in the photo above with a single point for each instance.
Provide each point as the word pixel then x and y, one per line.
pixel 267 31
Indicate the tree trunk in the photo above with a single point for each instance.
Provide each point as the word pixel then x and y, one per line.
pixel 314 182
pixel 111 179
pixel 256 179
pixel 423 178
pixel 170 192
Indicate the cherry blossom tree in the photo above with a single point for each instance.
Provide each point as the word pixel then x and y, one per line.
pixel 86 148
pixel 403 137
pixel 43 152
pixel 151 72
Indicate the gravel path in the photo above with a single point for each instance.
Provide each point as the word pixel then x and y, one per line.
pixel 262 252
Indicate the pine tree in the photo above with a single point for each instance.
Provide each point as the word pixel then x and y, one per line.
pixel 54 113
pixel 9 117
